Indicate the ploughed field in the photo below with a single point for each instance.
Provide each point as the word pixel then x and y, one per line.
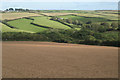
pixel 58 60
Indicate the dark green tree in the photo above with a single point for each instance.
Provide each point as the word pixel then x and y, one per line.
pixel 11 9
pixel 114 26
pixel 69 21
pixel 89 22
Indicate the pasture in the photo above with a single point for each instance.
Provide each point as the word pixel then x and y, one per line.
pixel 108 14
pixel 5 28
pixel 16 15
pixel 111 15
pixel 44 21
pixel 25 24
pixel 84 19
pixel 84 16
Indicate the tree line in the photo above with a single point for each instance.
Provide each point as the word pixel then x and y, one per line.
pixel 17 9
pixel 83 36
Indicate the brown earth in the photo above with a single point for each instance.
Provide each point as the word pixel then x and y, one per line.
pixel 58 60
pixel 58 14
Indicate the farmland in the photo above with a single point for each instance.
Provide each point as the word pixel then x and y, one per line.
pixel 80 27
pixel 112 15
pixel 24 24
pixel 53 24
pixel 8 29
pixel 57 14
pixel 58 60
pixel 108 15
pixel 84 19
pixel 10 16
pixel 60 44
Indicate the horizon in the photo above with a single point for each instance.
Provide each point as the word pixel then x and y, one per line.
pixel 61 5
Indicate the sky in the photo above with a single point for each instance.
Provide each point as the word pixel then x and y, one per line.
pixel 57 5
pixel 59 0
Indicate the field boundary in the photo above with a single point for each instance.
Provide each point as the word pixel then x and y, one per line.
pixel 60 79
pixel 40 25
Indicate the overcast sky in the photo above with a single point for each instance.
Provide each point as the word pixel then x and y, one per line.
pixel 59 0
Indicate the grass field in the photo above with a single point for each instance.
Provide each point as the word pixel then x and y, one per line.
pixel 112 15
pixel 83 19
pixel 108 15
pixel 10 16
pixel 5 28
pixel 44 21
pixel 84 16
pixel 24 24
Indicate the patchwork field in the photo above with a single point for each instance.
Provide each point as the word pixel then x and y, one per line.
pixel 24 24
pixel 10 16
pixel 5 28
pixel 58 60
pixel 24 57
pixel 84 19
pixel 112 15
pixel 57 14
pixel 44 21
pixel 69 26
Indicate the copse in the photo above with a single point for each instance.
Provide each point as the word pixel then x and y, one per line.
pixel 80 23
pixel 69 21
pixel 105 24
pixel 114 26
pixel 95 26
pixel 102 29
pixel 89 22
pixel 18 10
pixel 11 9
pixel 76 22
pixel 54 18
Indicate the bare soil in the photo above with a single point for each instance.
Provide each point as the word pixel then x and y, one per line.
pixel 58 14
pixel 29 59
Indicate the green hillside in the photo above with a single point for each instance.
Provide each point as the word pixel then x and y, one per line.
pixel 24 24
pixel 44 21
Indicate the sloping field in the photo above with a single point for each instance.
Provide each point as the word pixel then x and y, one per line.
pixel 44 21
pixel 83 19
pixel 110 16
pixel 10 16
pixel 58 60
pixel 24 24
pixel 58 14
pixel 5 28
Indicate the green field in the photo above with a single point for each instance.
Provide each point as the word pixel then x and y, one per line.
pixel 80 27
pixel 83 16
pixel 24 24
pixel 5 28
pixel 102 14
pixel 44 21
pixel 108 14
pixel 84 19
